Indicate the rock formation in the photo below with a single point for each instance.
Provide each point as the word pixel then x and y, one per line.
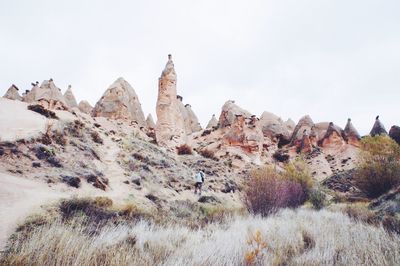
pixel 170 126
pixel 394 133
pixel 85 107
pixel 273 126
pixel 185 115
pixel 351 134
pixel 333 137
pixel 378 128
pixel 12 93
pixel 48 95
pixel 70 98
pixel 150 122
pixel 194 121
pixel 306 145
pixel 304 125
pixel 229 112
pixel 290 124
pixel 213 123
pixel 244 133
pixel 120 101
pixel 29 96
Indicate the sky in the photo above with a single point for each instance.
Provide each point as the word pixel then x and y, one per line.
pixel 329 59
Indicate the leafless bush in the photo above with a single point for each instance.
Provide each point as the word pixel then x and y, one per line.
pixel 184 150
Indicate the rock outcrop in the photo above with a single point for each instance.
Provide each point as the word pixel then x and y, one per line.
pixel 273 126
pixel 85 107
pixel 170 126
pixel 12 93
pixel 229 112
pixel 194 121
pixel 30 95
pixel 120 101
pixel 333 137
pixel 378 128
pixel 213 123
pixel 150 122
pixel 306 145
pixel 394 133
pixel 48 95
pixel 184 114
pixel 351 134
pixel 70 98
pixel 290 124
pixel 304 125
pixel 244 133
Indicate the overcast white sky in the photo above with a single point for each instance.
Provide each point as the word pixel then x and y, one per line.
pixel 329 59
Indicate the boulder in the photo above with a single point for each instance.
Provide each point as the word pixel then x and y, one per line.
pixel 85 107
pixel 70 98
pixel 47 95
pixel 394 133
pixel 120 101
pixel 378 128
pixel 170 126
pixel 229 112
pixel 213 123
pixel 351 134
pixel 150 122
pixel 12 93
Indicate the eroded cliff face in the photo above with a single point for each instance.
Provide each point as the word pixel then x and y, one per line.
pixel 120 101
pixel 170 126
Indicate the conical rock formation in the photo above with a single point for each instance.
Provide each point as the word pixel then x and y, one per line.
pixel 150 122
pixel 351 134
pixel 85 107
pixel 48 95
pixel 273 126
pixel 378 128
pixel 394 133
pixel 333 137
pixel 170 127
pixel 70 98
pixel 304 125
pixel 213 123
pixel 12 93
pixel 120 101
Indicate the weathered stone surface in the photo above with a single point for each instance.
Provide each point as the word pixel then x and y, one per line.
pixel 274 127
pixel 29 96
pixel 306 145
pixel 378 128
pixel 48 95
pixel 194 121
pixel 333 137
pixel 170 126
pixel 85 107
pixel 70 98
pixel 12 93
pixel 185 115
pixel 213 123
pixel 229 112
pixel 150 122
pixel 120 101
pixel 394 133
pixel 304 125
pixel 244 133
pixel 351 134
pixel 290 124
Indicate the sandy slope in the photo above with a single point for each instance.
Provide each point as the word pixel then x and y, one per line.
pixel 19 198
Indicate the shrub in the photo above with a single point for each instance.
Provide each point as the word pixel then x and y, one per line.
pixel 317 198
pixel 103 201
pixel 96 137
pixel 184 150
pixel 297 171
pixel 268 190
pixel 207 154
pixel 379 168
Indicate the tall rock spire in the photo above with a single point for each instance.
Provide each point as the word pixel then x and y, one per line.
pixel 351 134
pixel 170 127
pixel 70 98
pixel 378 128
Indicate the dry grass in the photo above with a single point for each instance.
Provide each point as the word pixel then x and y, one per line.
pixel 302 237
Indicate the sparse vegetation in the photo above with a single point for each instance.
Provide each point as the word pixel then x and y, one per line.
pixel 184 150
pixel 96 137
pixel 208 154
pixel 43 111
pixel 379 167
pixel 287 238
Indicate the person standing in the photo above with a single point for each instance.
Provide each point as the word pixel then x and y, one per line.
pixel 199 182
